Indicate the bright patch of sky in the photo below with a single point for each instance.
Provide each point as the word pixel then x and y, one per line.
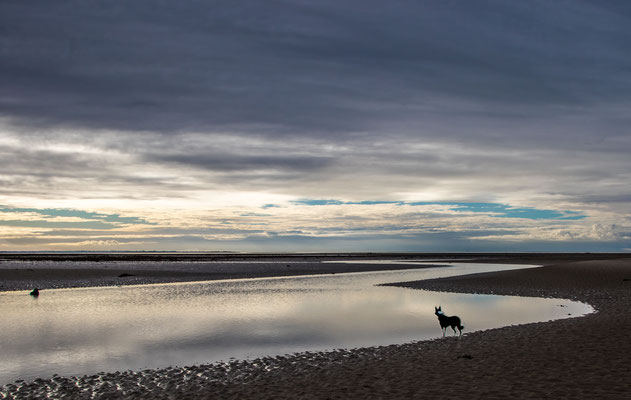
pixel 309 223
pixel 56 212
pixel 491 209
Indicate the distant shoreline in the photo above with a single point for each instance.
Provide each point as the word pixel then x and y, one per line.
pixel 19 271
pixel 187 256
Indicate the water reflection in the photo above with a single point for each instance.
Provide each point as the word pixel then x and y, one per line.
pixel 79 331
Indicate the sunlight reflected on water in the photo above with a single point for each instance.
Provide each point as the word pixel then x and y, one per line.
pixel 83 331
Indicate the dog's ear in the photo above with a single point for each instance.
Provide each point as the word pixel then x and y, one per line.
pixel 435 308
pixel 439 308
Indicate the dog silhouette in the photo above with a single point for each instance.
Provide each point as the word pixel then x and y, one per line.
pixel 445 321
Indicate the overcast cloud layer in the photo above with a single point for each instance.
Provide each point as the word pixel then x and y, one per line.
pixel 315 125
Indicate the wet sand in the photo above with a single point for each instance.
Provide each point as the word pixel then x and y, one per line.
pixel 58 270
pixel 16 274
pixel 584 357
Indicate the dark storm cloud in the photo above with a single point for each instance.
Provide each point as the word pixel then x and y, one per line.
pixel 235 162
pixel 294 67
pixel 604 198
pixel 41 172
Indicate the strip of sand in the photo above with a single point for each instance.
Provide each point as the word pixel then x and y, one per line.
pixel 583 357
pixel 19 271
pixel 26 276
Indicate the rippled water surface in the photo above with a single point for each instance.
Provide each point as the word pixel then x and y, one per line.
pixel 88 330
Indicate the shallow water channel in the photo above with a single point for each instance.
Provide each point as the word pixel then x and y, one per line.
pixel 88 330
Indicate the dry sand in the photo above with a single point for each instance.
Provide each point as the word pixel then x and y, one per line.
pixel 586 357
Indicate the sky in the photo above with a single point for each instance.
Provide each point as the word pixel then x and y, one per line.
pixel 315 125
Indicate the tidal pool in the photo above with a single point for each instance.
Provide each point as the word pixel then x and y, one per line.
pixel 88 330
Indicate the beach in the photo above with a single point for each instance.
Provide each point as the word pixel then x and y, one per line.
pixel 19 271
pixel 584 357
pixel 52 271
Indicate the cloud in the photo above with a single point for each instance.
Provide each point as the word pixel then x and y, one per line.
pixel 108 243
pixel 195 115
pixel 577 233
pixel 51 218
pixel 609 232
pixel 372 226
pixel 292 68
pixel 234 162
pixel 490 209
pixel 76 214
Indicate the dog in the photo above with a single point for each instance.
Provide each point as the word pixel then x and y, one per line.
pixel 445 321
